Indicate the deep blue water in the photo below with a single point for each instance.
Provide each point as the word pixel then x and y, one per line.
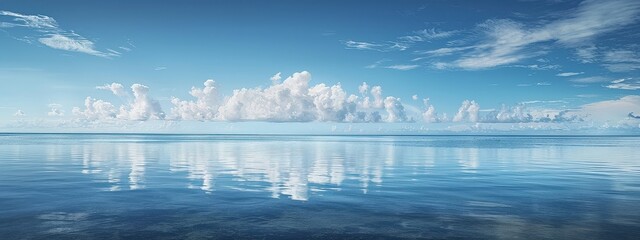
pixel 81 186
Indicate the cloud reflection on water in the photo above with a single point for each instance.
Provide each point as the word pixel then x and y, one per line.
pixel 291 168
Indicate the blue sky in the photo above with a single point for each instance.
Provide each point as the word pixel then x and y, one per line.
pixel 523 66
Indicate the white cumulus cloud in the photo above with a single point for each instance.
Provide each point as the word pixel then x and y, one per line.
pixel 275 79
pixel 116 88
pixel 19 113
pixel 95 110
pixel 204 108
pixel 141 108
pixel 468 111
pixel 292 100
pixel 56 110
pixel 395 110
pixel 430 115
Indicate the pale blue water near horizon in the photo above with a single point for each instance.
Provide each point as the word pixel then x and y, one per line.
pixel 119 186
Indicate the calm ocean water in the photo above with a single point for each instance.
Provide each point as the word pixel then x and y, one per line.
pixel 81 186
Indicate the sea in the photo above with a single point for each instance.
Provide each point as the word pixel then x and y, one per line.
pixel 171 186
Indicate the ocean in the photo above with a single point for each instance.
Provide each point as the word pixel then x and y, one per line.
pixel 119 186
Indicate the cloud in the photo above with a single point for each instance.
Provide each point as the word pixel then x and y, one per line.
pixel 443 51
pixel 401 43
pixel 587 54
pixel 160 68
pixel 593 79
pixel 116 88
pixel 506 41
pixel 275 79
pixel 430 115
pixel 73 44
pixel 593 18
pixel 621 60
pixel 377 101
pixel 363 45
pixel 395 110
pixel 363 88
pixel 569 74
pixel 624 84
pixel 19 113
pixel 468 111
pixel 56 110
pixel 509 114
pixel 402 67
pixel 295 100
pixel 204 108
pixel 31 21
pixel 283 102
pixel 96 110
pixel 414 97
pixel 333 104
pixel 432 33
pixel 520 113
pixel 398 46
pixel 141 108
pixel 539 66
pixel 48 33
pixel 426 34
pixel 292 100
pixel 612 110
pixel 376 64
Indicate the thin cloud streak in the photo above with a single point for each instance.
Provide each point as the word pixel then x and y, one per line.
pixel 49 34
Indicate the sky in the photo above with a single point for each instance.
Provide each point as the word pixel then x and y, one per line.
pixel 322 67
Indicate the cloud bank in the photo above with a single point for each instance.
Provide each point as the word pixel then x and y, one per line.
pixel 292 100
pixel 296 100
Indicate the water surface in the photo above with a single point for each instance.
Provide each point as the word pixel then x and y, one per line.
pixel 82 186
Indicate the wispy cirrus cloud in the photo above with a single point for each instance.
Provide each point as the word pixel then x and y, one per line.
pixel 402 67
pixel 592 79
pixel 400 43
pixel 48 33
pixel 624 84
pixel 426 35
pixel 504 41
pixel 569 74
pixel 364 45
pixel 587 54
pixel 621 60
pixel 442 51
